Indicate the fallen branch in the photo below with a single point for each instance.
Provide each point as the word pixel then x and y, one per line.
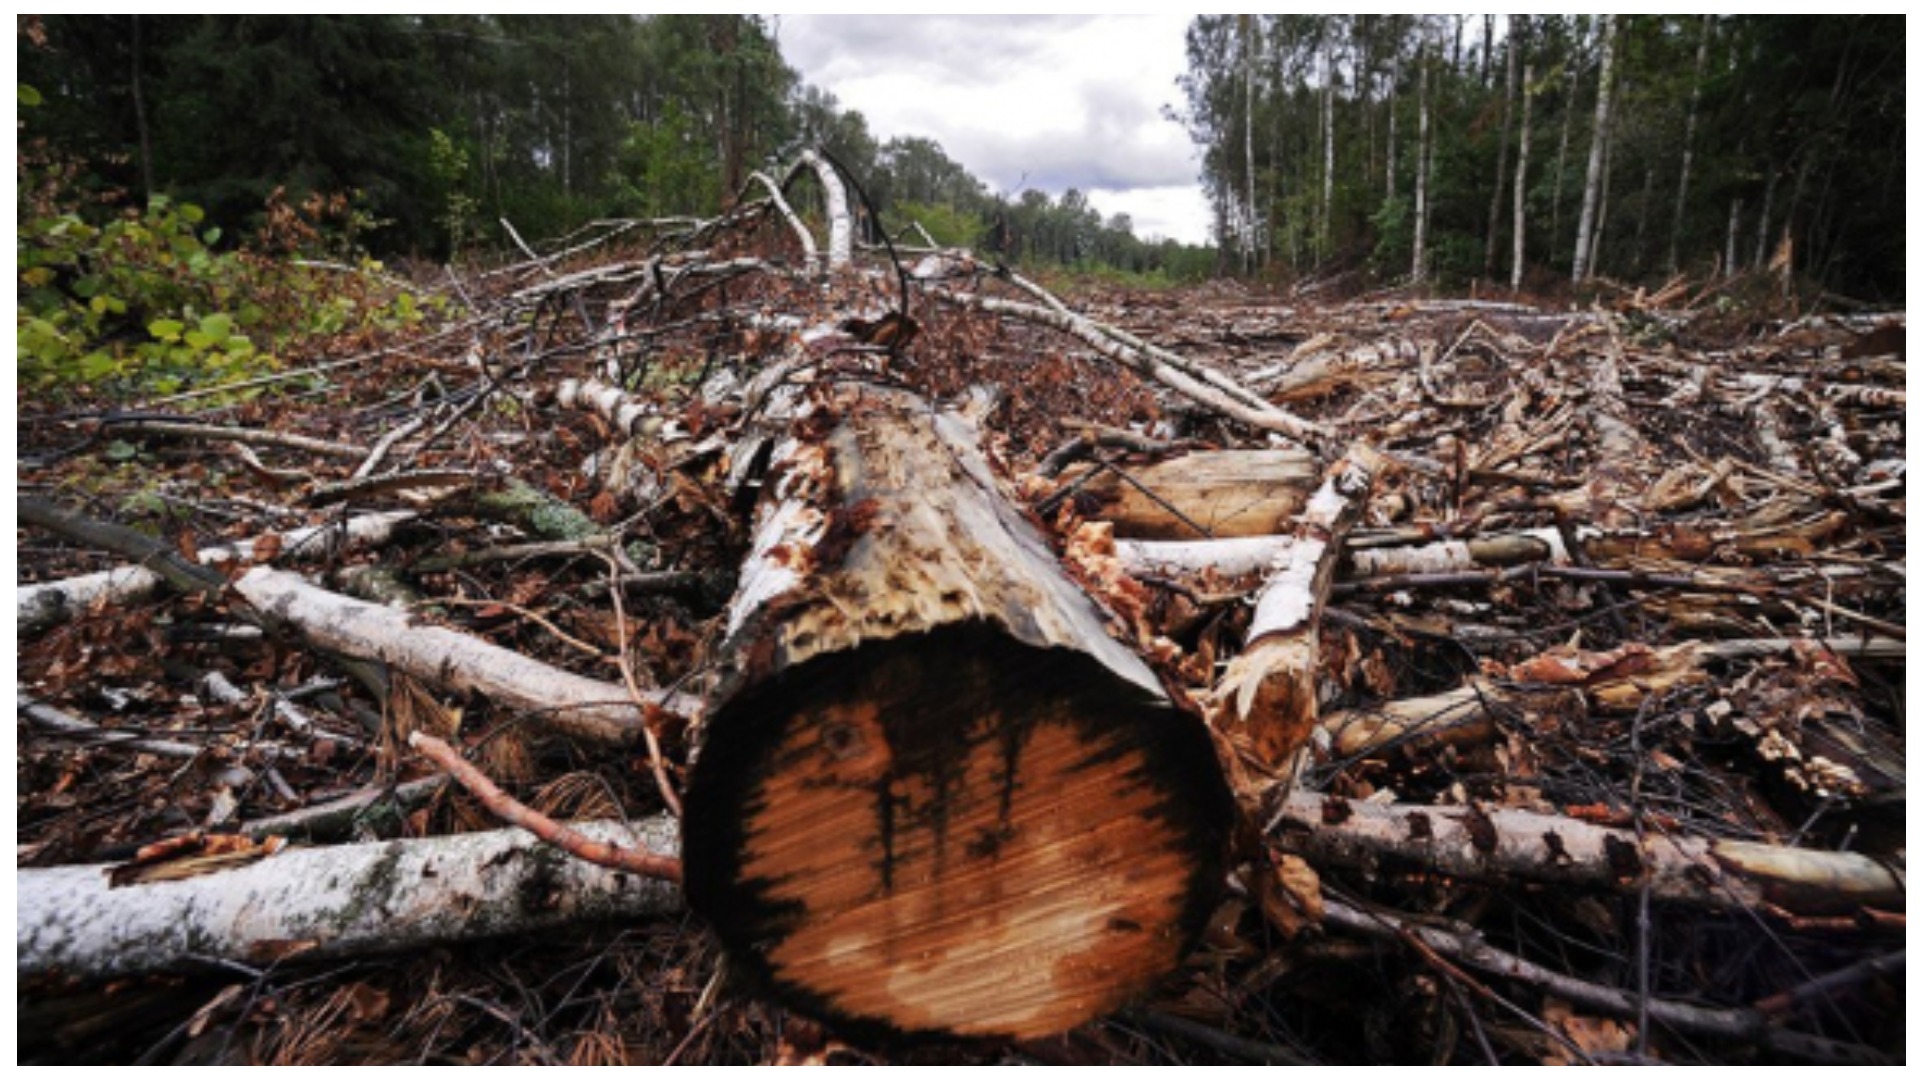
pixel 339 818
pixel 51 719
pixel 288 440
pixel 1197 382
pixel 513 812
pixel 571 704
pixel 1696 871
pixel 47 604
pixel 331 902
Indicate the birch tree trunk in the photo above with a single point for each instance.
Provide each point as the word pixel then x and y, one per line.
pixel 1596 157
pixel 1686 145
pixel 1251 213
pixel 1520 180
pixel 1326 125
pixel 1420 177
pixel 344 900
pixel 1500 162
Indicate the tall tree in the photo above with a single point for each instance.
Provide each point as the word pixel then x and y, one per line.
pixel 1520 162
pixel 1424 155
pixel 1596 158
pixel 1686 146
pixel 1500 163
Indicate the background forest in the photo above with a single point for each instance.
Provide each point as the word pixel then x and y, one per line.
pixel 1450 150
pixel 1480 147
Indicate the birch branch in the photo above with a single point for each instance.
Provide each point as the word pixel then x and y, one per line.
pixel 251 436
pixel 45 605
pixel 1196 381
pixel 1469 842
pixel 839 221
pixel 571 704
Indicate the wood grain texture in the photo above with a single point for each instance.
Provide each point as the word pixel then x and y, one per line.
pixel 935 798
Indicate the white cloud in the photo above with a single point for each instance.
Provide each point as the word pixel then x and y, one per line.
pixel 1041 102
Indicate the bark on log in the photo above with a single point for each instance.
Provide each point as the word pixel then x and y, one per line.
pixel 1227 493
pixel 330 902
pixel 1249 554
pixel 1472 843
pixel 45 605
pixel 934 796
pixel 571 704
pixel 1269 696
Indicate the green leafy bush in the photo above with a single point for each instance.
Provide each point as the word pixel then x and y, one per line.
pixel 144 304
pixel 133 302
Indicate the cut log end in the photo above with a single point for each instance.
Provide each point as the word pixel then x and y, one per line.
pixel 955 835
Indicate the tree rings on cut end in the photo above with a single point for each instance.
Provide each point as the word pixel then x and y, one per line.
pixel 955 834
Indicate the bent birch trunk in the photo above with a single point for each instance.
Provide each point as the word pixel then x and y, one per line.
pixel 43 606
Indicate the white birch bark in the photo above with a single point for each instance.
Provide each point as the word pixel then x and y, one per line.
pixel 1596 157
pixel 839 221
pixel 1424 159
pixel 40 607
pixel 339 901
pixel 1520 181
pixel 1691 870
pixel 1500 162
pixel 572 704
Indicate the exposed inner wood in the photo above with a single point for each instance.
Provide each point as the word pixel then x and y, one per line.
pixel 1227 493
pixel 919 851
pixel 934 795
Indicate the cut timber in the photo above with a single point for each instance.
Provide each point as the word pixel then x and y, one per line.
pixel 1229 493
pixel 1268 699
pixel 933 796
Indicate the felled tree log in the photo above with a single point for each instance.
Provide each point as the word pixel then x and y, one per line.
pixel 933 795
pixel 1268 699
pixel 1231 493
pixel 572 704
pixel 345 900
pixel 1470 842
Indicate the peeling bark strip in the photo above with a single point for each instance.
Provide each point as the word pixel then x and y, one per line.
pixel 1268 699
pixel 336 901
pixel 934 796
pixel 1692 870
pixel 572 704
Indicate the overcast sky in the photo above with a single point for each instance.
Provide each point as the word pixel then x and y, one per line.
pixel 1045 102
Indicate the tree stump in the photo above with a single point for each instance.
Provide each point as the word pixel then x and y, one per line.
pixel 933 796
